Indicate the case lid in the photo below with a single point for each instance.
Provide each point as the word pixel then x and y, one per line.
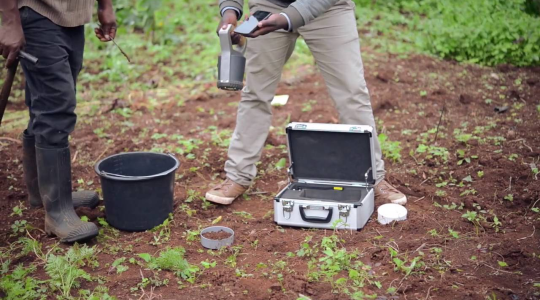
pixel 331 152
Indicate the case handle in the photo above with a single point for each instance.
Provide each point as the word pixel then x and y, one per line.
pixel 316 219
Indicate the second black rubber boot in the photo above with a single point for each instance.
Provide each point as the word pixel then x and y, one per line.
pixel 30 170
pixel 80 199
pixel 54 176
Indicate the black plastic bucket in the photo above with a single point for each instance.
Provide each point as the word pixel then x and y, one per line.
pixel 138 189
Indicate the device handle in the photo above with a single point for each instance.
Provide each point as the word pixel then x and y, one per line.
pixel 316 219
pixel 226 42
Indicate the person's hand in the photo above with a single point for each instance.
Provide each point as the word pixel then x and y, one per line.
pixel 11 38
pixel 273 23
pixel 107 20
pixel 229 18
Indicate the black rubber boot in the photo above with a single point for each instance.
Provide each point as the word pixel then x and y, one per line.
pixel 30 171
pixel 54 176
pixel 80 199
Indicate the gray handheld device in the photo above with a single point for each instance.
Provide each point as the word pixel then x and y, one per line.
pixel 231 62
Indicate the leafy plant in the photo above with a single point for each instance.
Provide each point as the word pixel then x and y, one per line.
pixel 65 270
pixel 509 197
pixel 333 261
pixel 19 285
pixel 118 265
pixel 390 149
pixel 172 259
pixel 460 30
pixel 404 264
pixel 282 163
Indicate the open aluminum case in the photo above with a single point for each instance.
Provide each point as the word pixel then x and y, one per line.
pixel 331 177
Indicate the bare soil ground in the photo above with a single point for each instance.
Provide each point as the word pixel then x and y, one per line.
pixel 498 152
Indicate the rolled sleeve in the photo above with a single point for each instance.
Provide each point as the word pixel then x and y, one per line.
pixel 294 17
pixel 230 4
pixel 288 21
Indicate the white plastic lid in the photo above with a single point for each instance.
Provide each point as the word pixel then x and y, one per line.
pixel 388 213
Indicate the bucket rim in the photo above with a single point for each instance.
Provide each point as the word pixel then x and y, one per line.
pixel 118 177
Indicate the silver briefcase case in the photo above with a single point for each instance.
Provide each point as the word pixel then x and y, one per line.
pixel 331 177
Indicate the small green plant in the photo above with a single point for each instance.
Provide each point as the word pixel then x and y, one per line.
pixel 172 259
pixel 453 233
pixel 433 232
pixel 469 191
pixel 480 174
pixel 433 152
pixel 20 285
pixel 192 235
pixel 220 138
pixel 308 106
pixel 282 163
pixel 231 259
pixel 404 264
pixel 440 193
pixel 162 232
pixel 463 158
pixel 496 224
pixel 244 215
pixel 391 150
pixel 20 226
pixel 512 157
pixel 18 210
pixel 471 216
pixel 118 265
pixel 509 197
pixel 65 270
pixel 333 261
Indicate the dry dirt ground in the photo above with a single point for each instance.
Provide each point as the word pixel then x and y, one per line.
pixel 482 162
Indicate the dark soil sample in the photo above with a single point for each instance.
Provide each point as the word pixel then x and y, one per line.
pixel 218 235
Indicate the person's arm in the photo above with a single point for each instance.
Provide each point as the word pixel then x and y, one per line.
pixel 231 12
pixel 295 16
pixel 107 20
pixel 236 5
pixel 11 33
pixel 302 12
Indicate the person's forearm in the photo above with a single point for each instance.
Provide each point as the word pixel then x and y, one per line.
pixel 302 12
pixel 9 12
pixel 238 6
pixel 105 3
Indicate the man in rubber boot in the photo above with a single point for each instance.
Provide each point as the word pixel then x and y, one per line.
pixel 329 29
pixel 52 31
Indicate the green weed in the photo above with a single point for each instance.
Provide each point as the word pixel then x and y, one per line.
pixel 403 264
pixel 65 270
pixel 391 150
pixel 172 259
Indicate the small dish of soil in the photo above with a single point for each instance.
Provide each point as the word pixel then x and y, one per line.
pixel 215 237
pixel 218 235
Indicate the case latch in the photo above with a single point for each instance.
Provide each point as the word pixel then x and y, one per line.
pixel 366 176
pixel 344 211
pixel 290 174
pixel 287 208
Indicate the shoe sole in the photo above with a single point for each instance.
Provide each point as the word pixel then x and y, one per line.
pixel 85 236
pixel 218 199
pixel 400 201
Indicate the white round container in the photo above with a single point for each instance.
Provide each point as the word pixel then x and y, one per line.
pixel 388 213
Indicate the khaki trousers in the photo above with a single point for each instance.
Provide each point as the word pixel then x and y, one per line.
pixel 333 40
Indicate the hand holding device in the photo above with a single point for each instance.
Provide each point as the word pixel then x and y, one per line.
pixel 273 23
pixel 251 24
pixel 229 18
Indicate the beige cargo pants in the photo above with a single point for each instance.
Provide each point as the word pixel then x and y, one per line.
pixel 333 40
